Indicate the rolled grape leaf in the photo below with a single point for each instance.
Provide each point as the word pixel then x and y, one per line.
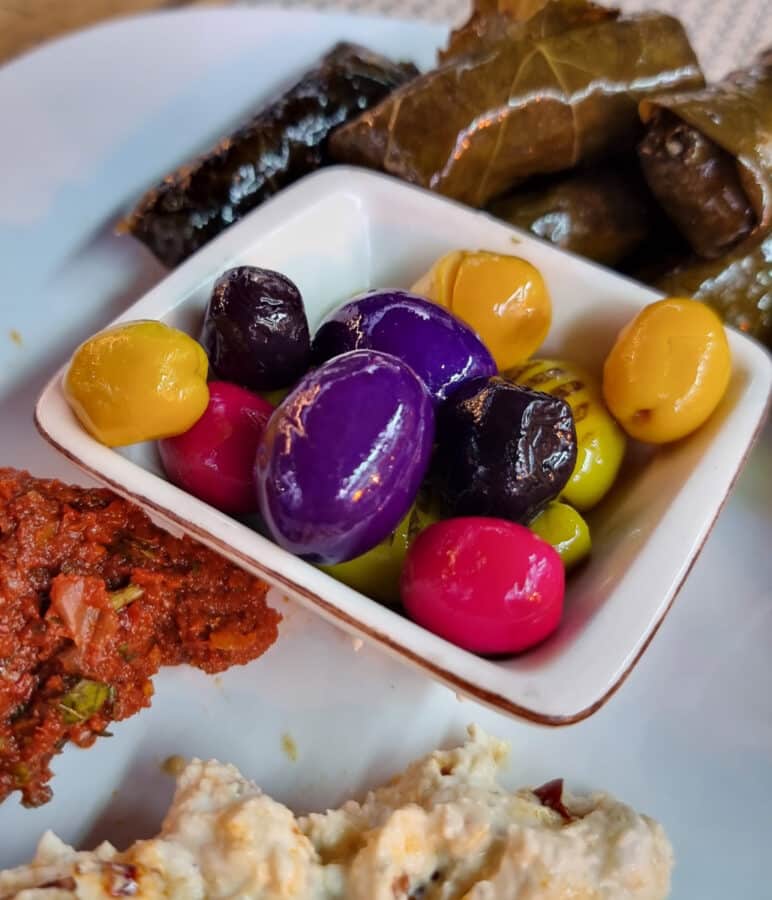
pixel 738 287
pixel 490 19
pixel 709 206
pixel 707 156
pixel 283 142
pixel 603 213
pixel 532 103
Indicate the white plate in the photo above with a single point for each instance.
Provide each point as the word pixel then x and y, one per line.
pixel 689 739
pixel 342 230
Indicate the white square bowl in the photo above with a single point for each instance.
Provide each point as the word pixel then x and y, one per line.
pixel 343 230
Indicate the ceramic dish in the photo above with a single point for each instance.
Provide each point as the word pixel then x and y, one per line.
pixel 688 739
pixel 343 230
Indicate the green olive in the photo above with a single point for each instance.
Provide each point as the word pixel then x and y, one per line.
pixel 377 572
pixel 561 526
pixel 275 397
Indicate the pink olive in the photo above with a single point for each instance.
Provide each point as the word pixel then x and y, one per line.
pixel 488 585
pixel 215 459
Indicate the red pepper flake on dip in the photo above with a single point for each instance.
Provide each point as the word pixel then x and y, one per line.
pixel 94 599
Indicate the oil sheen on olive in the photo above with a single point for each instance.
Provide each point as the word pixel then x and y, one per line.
pixel 503 298
pixel 668 370
pixel 214 460
pixel 255 329
pixel 342 458
pixel 502 450
pixel 441 349
pixel 490 586
pixel 561 526
pixel 137 381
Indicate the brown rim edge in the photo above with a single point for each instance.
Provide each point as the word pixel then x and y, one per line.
pixel 488 698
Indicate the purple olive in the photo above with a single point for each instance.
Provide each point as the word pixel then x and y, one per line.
pixel 255 329
pixel 442 350
pixel 343 457
pixel 502 450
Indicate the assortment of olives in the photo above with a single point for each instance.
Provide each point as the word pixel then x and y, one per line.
pixel 412 447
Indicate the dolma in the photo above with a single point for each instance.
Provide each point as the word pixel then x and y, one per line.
pixel 490 19
pixel 529 104
pixel 603 213
pixel 738 287
pixel 283 142
pixel 707 156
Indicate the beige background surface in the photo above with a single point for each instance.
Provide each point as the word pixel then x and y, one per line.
pixel 725 33
pixel 25 23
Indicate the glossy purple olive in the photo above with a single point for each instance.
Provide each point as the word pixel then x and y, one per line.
pixel 255 330
pixel 343 457
pixel 442 350
pixel 214 460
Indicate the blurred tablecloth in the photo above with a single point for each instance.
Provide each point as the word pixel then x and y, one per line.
pixel 725 33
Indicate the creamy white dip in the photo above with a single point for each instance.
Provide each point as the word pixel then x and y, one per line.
pixel 444 830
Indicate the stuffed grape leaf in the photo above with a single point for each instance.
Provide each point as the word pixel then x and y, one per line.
pixel 738 287
pixel 539 100
pixel 603 213
pixel 490 19
pixel 281 143
pixel 708 159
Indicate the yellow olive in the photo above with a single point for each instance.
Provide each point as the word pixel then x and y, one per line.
pixel 437 283
pixel 503 298
pixel 600 441
pixel 561 525
pixel 668 370
pixel 137 382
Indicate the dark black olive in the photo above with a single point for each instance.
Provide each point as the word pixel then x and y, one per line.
pixel 255 329
pixel 502 450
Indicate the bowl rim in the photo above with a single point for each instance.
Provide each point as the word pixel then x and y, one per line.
pixel 490 697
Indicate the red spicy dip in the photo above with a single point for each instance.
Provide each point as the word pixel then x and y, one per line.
pixel 94 599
